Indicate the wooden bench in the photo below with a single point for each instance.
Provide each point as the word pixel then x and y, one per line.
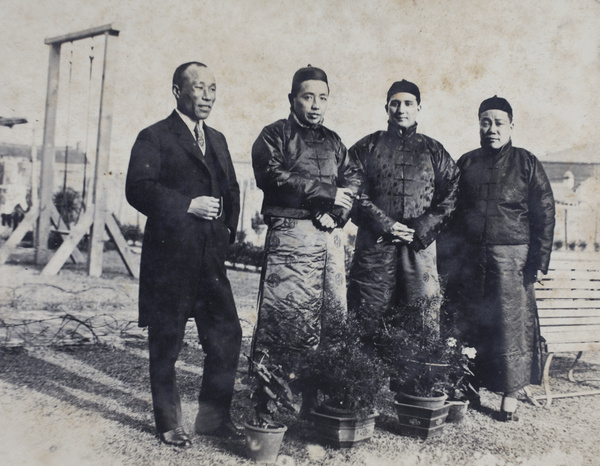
pixel 568 303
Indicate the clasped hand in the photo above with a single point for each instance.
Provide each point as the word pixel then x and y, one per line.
pixel 325 221
pixel 402 233
pixel 205 207
pixel 344 198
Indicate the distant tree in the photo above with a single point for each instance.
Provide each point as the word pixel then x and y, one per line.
pixel 131 232
pixel 68 204
pixel 257 221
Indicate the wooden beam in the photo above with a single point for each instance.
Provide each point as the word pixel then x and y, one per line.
pixel 76 256
pixel 132 265
pixel 48 157
pixel 69 244
pixel 102 157
pixel 18 234
pixel 112 29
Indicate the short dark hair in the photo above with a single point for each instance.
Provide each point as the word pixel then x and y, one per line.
pixel 177 76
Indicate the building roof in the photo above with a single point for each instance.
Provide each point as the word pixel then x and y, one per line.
pixel 76 156
pixel 581 171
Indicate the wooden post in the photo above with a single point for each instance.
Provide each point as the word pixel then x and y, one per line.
pixel 48 156
pixel 566 237
pixel 103 152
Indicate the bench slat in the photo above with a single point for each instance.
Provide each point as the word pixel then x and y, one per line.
pixel 567 305
pixel 567 347
pixel 567 313
pixel 559 285
pixel 565 294
pixel 567 321
pixel 591 329
pixel 579 336
pixel 571 274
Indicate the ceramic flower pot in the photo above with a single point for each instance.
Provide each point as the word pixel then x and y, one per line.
pixel 262 444
pixel 421 421
pixel 341 428
pixel 427 402
pixel 458 411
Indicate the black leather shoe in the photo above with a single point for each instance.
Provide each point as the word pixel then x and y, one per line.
pixel 176 437
pixel 227 430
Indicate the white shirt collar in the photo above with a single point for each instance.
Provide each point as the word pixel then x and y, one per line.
pixel 191 124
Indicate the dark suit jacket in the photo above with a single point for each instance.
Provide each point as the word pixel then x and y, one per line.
pixel 166 171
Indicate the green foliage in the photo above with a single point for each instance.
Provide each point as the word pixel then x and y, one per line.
pixel 257 222
pixel 344 369
pixel 131 232
pixel 270 392
pixel 68 203
pixel 244 253
pixel 419 361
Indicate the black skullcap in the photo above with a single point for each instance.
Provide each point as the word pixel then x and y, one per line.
pixel 306 74
pixel 495 103
pixel 404 86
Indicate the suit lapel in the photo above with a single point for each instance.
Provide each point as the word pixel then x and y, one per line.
pixel 186 139
pixel 218 150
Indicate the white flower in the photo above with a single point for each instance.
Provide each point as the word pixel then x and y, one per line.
pixel 469 352
pixel 451 342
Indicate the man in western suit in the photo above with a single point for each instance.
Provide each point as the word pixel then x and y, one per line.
pixel 182 178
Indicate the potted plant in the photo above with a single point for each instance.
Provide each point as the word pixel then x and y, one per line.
pixel 270 393
pixel 349 379
pixel 424 367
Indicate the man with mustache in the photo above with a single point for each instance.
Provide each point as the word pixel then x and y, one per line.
pixel 182 178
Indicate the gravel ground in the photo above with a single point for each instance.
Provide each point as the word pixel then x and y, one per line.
pixel 74 390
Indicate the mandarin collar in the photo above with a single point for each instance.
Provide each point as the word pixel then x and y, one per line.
pixel 403 134
pixel 295 119
pixel 496 152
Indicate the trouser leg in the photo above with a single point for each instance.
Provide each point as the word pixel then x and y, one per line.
pixel 165 341
pixel 220 335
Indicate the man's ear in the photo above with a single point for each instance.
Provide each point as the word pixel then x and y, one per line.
pixel 291 99
pixel 176 91
pixel 386 108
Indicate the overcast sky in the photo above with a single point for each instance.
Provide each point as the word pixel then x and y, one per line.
pixel 544 57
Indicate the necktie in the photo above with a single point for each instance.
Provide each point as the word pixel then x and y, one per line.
pixel 199 137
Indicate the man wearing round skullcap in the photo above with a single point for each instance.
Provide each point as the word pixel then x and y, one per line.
pixel 502 235
pixel 408 195
pixel 309 183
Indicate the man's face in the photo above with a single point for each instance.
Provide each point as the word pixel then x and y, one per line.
pixel 495 128
pixel 310 102
pixel 197 92
pixel 402 109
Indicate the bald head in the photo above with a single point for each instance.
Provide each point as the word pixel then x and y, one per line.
pixel 195 90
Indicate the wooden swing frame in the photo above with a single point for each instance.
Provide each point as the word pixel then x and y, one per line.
pixel 96 217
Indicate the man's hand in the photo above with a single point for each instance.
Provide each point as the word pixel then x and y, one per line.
pixel 402 232
pixel 539 276
pixel 205 207
pixel 344 198
pixel 325 221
